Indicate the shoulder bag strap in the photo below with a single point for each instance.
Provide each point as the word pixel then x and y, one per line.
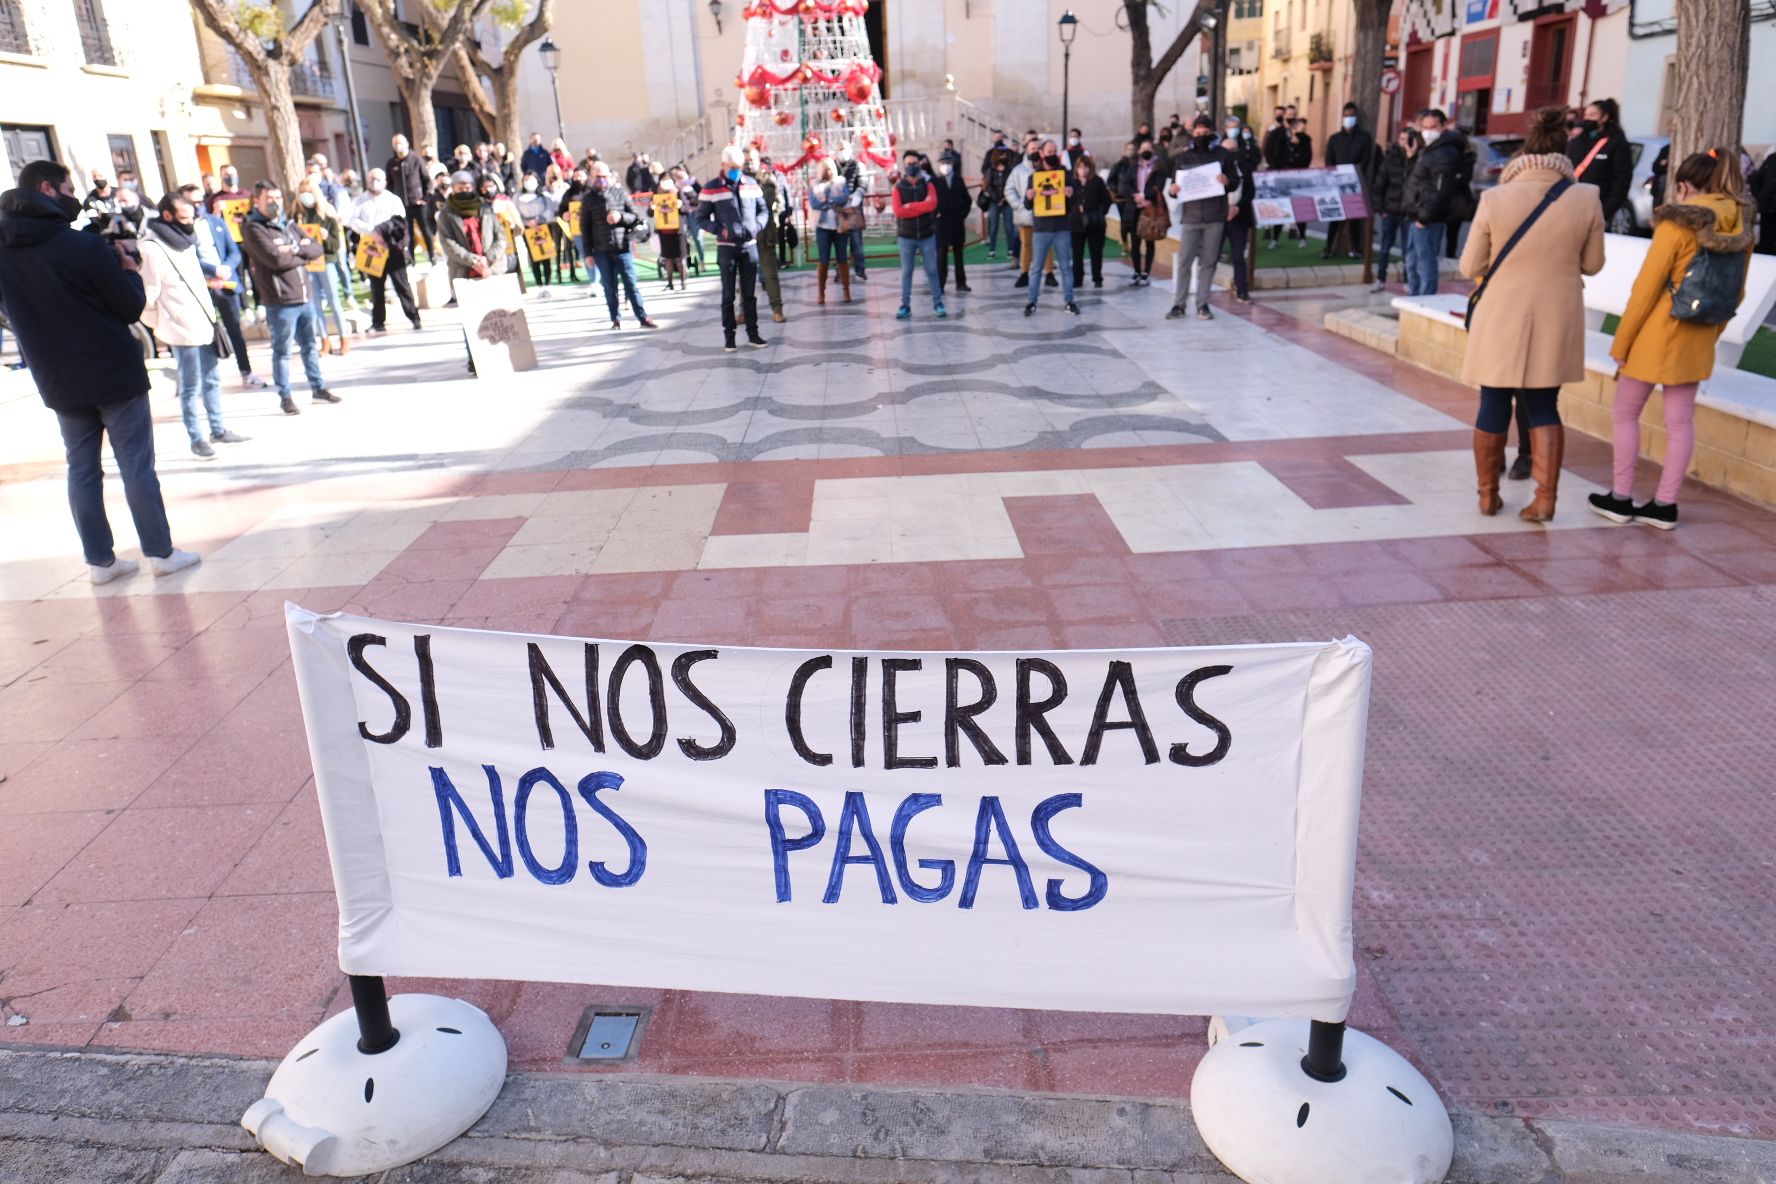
pixel 1548 199
pixel 1590 156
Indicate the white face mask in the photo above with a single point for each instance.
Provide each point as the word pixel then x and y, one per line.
pixel 530 185
pixel 1430 134
pixel 1350 121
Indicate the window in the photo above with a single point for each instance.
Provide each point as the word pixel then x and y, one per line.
pixel 23 145
pixel 1478 56
pixel 13 38
pixel 162 154
pixel 95 37
pixel 360 27
pixel 123 155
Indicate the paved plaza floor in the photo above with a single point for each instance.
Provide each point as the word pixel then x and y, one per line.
pixel 1566 894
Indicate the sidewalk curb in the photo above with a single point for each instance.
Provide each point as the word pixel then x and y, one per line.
pixel 175 1120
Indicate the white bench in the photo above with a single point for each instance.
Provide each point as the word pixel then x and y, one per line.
pixel 1736 417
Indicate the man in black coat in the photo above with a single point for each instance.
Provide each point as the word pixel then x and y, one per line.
pixel 71 298
pixel 1437 193
pixel 407 180
pixel 953 209
pixel 1351 144
pixel 1276 140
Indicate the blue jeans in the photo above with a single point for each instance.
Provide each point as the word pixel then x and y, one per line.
pixel 322 285
pixel 831 240
pixel 197 374
pixel 999 214
pixel 926 250
pixel 611 266
pixel 1424 251
pixel 299 321
pixel 132 442
pixel 1393 228
pixel 857 250
pixel 1061 243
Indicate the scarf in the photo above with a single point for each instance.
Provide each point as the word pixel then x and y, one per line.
pixel 1537 160
pixel 466 204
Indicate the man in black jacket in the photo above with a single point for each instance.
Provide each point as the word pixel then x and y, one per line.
pixel 1351 144
pixel 607 224
pixel 406 174
pixel 1276 140
pixel 996 166
pixel 953 208
pixel 280 255
pixel 71 298
pixel 732 208
pixel 1436 192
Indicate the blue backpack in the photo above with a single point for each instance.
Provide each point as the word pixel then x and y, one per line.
pixel 1708 292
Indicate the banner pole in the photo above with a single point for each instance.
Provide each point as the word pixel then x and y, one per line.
pixel 1325 1052
pixel 376 1031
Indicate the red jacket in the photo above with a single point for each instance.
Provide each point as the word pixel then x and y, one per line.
pixel 915 209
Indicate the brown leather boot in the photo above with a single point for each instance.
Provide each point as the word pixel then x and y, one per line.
pixel 845 281
pixel 1547 446
pixel 1489 462
pixel 821 272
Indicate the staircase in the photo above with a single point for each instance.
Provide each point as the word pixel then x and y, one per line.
pixel 915 123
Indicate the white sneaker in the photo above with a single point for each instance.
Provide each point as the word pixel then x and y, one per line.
pixel 177 561
pixel 119 568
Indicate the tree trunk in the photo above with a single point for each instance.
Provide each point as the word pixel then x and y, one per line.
pixel 422 117
pixel 1713 59
pixel 1144 84
pixel 1145 94
pixel 505 89
pixel 1366 56
pixel 283 158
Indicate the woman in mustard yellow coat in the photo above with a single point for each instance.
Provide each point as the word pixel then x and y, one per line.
pixel 1707 212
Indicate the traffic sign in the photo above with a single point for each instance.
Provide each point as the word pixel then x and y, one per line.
pixel 1390 81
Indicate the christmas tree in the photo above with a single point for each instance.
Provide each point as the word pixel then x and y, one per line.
pixel 808 84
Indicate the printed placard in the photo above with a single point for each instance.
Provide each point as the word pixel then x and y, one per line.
pixel 319 234
pixel 541 242
pixel 234 210
pixel 1157 830
pixel 1287 196
pixel 1051 194
pixel 666 211
pixel 372 257
pixel 1201 183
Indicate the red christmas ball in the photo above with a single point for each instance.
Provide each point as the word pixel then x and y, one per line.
pixel 758 95
pixel 785 118
pixel 838 115
pixel 858 88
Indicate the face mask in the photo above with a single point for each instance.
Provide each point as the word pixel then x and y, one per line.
pixel 1035 158
pixel 375 185
pixel 1589 125
pixel 230 181
pixel 307 199
pixel 1233 131
pixel 601 182
pixel 274 210
pixel 530 185
pixel 1073 140
pixel 1053 162
pixel 1147 155
pixel 185 228
pixel 1430 134
pixel 70 205
pixel 130 185
pixel 733 174
pixel 943 170
pixel 912 172
pixel 1350 121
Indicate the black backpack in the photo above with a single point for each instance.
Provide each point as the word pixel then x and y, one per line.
pixel 1708 293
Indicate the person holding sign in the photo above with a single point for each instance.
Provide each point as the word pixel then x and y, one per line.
pixel 535 212
pixel 470 236
pixel 380 218
pixel 316 217
pixel 1049 198
pixel 915 224
pixel 669 225
pixel 1199 200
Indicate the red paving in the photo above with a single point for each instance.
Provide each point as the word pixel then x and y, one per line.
pixel 1566 899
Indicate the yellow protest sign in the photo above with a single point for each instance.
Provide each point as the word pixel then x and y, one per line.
pixel 666 211
pixel 233 210
pixel 1051 194
pixel 573 215
pixel 372 257
pixel 540 242
pixel 319 233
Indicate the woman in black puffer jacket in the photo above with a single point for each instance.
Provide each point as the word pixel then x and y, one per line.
pixel 1087 219
pixel 1602 156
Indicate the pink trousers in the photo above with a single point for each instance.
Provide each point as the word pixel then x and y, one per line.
pixel 1680 435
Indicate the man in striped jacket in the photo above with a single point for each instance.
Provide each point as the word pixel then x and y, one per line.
pixel 732 208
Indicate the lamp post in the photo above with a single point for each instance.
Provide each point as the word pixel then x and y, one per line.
pixel 1069 28
pixel 715 11
pixel 340 20
pixel 1212 69
pixel 551 55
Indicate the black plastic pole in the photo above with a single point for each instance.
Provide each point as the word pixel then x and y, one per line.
pixel 1325 1052
pixel 376 1031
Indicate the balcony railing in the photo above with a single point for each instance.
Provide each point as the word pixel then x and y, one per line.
pixel 1279 43
pixel 1319 50
pixel 305 79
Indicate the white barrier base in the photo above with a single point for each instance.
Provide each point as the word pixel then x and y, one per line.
pixel 1270 1123
pixel 339 1112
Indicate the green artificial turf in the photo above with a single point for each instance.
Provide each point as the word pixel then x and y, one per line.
pixel 1759 356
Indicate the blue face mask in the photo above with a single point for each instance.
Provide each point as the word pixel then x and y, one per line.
pixel 733 174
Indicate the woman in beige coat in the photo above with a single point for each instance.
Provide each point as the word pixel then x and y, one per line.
pixel 1528 332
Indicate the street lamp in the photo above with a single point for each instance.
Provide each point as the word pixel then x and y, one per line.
pixel 551 55
pixel 341 19
pixel 1069 28
pixel 715 11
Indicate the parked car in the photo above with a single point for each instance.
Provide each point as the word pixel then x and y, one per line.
pixel 1491 154
pixel 1637 216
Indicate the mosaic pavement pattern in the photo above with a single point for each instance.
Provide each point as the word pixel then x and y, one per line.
pixel 1565 886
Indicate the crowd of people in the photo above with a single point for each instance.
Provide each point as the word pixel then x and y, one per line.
pixel 113 279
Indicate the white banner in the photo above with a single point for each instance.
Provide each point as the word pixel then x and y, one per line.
pixel 1166 830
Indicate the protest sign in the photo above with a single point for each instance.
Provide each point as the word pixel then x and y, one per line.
pixel 233 210
pixel 540 241
pixel 496 324
pixel 1200 183
pixel 319 234
pixel 1164 830
pixel 1051 193
pixel 1287 196
pixel 372 256
pixel 666 211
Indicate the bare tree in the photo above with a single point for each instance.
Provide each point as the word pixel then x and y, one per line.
pixel 417 55
pixel 498 111
pixel 1366 55
pixel 258 34
pixel 1145 74
pixel 1713 59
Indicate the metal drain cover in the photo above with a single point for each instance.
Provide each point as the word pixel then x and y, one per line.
pixel 608 1034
